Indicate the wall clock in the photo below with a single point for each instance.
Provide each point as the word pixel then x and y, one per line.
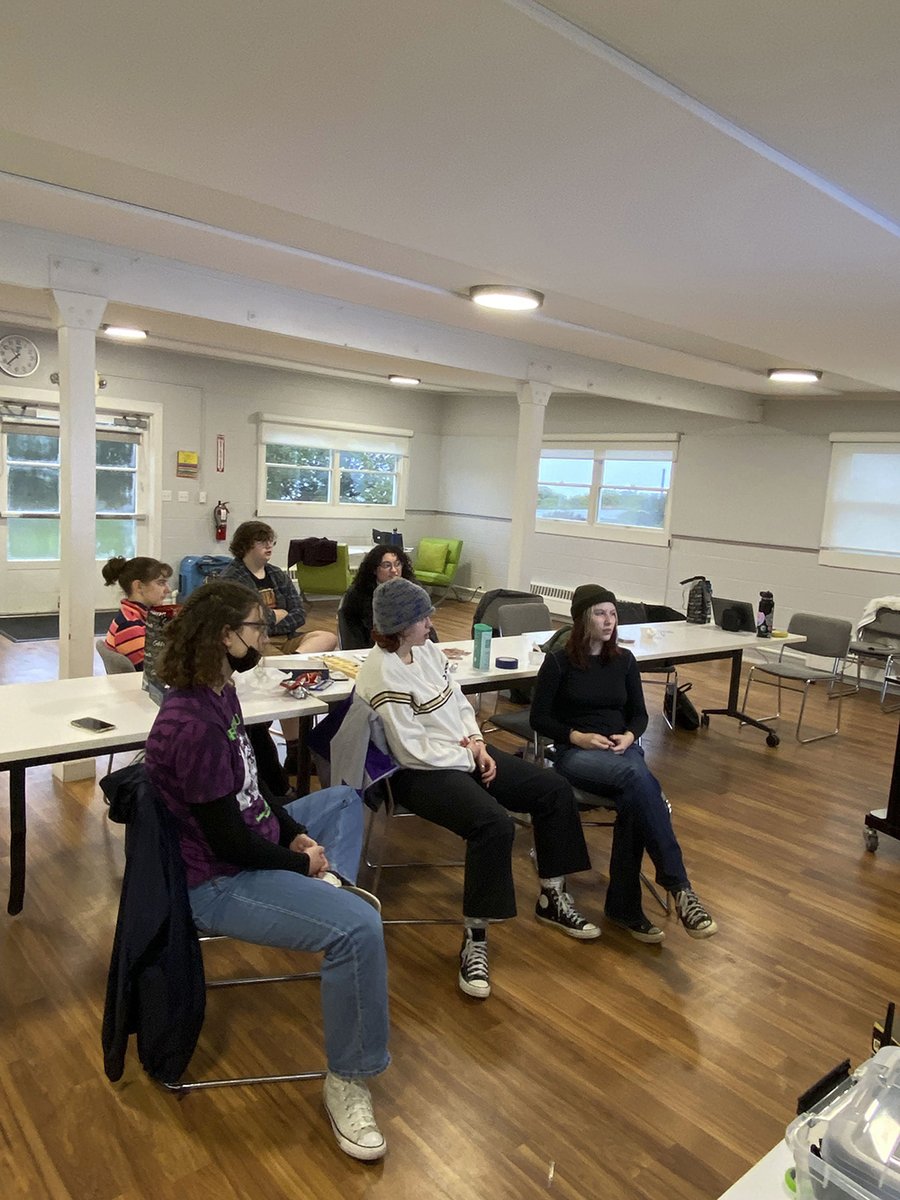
pixel 18 355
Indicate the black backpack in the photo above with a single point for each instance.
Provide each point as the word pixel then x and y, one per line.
pixel 686 716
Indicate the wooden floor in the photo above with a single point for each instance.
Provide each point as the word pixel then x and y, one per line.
pixel 605 1069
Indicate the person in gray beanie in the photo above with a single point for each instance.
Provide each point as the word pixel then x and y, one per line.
pixel 589 702
pixel 449 776
pixel 399 603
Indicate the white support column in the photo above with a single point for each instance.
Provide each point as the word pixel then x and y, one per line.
pixel 533 398
pixel 78 318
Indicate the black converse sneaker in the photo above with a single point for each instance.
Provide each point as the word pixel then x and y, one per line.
pixel 474 978
pixel 693 916
pixel 555 907
pixel 642 930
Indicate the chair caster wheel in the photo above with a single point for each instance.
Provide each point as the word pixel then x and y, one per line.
pixel 773 740
pixel 704 720
pixel 870 836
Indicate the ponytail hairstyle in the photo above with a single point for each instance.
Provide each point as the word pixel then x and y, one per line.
pixel 126 572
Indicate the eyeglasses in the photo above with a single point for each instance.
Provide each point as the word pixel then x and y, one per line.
pixel 254 624
pixel 267 541
pixel 388 564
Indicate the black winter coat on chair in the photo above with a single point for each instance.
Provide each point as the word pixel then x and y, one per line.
pixel 156 986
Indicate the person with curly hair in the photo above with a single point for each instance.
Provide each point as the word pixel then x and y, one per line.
pixel 252 547
pixel 145 582
pixel 256 870
pixel 355 620
pixel 588 699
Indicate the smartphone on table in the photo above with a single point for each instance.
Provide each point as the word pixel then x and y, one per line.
pixel 92 724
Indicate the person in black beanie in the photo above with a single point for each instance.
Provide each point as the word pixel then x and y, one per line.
pixel 449 776
pixel 588 699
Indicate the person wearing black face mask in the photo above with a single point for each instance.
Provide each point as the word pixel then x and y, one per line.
pixel 256 870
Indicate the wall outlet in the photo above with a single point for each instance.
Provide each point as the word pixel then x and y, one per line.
pixel 184 497
pixel 167 494
pixel 201 497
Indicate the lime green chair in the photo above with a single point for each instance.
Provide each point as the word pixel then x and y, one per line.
pixel 332 580
pixel 436 561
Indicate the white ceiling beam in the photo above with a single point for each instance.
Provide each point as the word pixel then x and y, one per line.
pixel 40 259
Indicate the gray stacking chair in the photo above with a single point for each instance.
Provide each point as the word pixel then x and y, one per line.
pixel 826 637
pixel 114 663
pixel 878 646
pixel 512 620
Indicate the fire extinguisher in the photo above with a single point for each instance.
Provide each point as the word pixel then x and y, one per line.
pixel 220 517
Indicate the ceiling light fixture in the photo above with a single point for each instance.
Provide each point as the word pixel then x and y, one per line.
pixel 509 299
pixel 404 380
pixel 793 375
pixel 124 333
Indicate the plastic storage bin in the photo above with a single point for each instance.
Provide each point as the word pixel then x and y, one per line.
pixel 857 1135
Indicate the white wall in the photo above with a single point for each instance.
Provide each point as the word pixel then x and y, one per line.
pixel 202 398
pixel 748 500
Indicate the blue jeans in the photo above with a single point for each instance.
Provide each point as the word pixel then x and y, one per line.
pixel 281 908
pixel 643 822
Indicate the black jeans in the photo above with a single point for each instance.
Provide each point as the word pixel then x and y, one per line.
pixel 458 801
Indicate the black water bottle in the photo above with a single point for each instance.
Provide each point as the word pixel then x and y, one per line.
pixel 765 615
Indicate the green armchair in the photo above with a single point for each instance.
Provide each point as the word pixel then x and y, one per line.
pixel 332 580
pixel 436 561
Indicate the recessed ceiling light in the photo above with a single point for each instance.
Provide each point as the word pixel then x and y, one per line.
pixel 510 299
pixel 793 375
pixel 404 380
pixel 124 333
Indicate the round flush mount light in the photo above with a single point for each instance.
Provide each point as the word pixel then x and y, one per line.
pixel 793 375
pixel 124 333
pixel 404 380
pixel 508 299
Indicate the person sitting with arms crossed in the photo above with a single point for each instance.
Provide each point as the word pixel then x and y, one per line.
pixel 589 700
pixel 252 547
pixel 255 870
pixel 449 776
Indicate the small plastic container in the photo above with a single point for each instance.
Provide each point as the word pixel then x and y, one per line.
pixel 857 1136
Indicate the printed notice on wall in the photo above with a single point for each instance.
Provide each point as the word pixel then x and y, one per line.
pixel 188 464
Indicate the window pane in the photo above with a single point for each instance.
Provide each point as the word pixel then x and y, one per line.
pixel 116 537
pixel 32 447
pixel 562 503
pixel 358 487
pixel 647 509
pixel 116 454
pixel 637 473
pixel 30 540
pixel 565 470
pixel 298 456
pixel 288 483
pixel 358 460
pixel 33 489
pixel 115 491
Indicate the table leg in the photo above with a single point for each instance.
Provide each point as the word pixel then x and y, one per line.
pixel 887 820
pixel 303 764
pixel 17 829
pixel 734 689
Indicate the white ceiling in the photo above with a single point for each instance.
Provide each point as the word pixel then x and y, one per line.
pixel 702 190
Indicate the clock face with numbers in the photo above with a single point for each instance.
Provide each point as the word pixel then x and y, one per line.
pixel 18 355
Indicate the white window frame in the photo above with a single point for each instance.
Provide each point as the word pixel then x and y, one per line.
pixel 856 558
pixel 334 436
pixel 666 443
pixel 149 476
